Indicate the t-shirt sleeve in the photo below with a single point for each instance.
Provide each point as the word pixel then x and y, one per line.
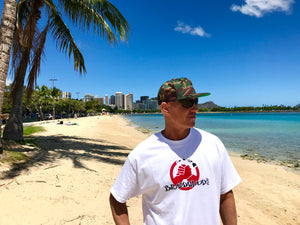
pixel 126 185
pixel 230 177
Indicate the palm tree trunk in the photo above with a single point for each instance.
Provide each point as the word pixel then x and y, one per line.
pixel 7 27
pixel 14 126
pixel 53 111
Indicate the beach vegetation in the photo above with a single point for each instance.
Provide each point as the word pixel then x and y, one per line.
pixel 297 107
pixel 35 19
pixel 203 110
pixel 264 108
pixel 32 129
pixel 13 150
pixel 13 157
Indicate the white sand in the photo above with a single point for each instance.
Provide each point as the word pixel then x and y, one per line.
pixel 69 179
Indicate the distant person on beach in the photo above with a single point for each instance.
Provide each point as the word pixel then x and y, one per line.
pixel 184 174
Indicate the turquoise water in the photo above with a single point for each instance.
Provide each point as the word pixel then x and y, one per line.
pixel 275 136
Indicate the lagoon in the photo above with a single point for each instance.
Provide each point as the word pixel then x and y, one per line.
pixel 272 136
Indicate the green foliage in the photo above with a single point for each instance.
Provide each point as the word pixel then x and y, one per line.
pixel 99 16
pixel 264 108
pixel 91 105
pixel 32 129
pixel 146 111
pixel 296 107
pixel 202 110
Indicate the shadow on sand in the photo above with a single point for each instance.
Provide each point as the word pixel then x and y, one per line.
pixel 53 148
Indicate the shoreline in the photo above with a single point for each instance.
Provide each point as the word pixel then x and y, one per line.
pixel 248 155
pixel 294 165
pixel 68 180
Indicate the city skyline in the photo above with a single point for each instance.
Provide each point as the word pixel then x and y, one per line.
pixel 109 95
pixel 124 101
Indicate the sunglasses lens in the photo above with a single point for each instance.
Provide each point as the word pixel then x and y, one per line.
pixel 188 103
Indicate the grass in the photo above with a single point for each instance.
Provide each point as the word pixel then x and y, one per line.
pixel 11 156
pixel 32 129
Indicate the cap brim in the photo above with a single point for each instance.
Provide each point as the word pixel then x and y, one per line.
pixel 197 95
pixel 201 94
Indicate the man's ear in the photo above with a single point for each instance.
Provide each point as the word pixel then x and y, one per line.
pixel 164 107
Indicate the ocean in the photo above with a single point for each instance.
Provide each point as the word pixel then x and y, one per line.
pixel 273 136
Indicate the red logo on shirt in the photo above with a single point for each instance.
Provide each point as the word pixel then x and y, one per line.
pixel 184 174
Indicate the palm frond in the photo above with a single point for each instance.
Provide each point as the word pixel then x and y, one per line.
pixel 115 18
pixel 98 14
pixel 36 61
pixel 17 45
pixel 27 38
pixel 64 39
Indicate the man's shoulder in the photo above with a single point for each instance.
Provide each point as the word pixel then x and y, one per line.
pixel 150 142
pixel 152 138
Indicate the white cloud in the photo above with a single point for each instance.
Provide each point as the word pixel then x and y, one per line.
pixel 187 29
pixel 259 8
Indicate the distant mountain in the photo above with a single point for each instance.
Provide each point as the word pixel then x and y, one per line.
pixel 208 105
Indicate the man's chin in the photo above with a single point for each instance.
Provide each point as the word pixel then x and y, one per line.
pixel 192 124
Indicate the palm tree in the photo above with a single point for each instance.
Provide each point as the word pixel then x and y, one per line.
pixel 41 97
pixel 55 93
pixel 28 44
pixel 6 36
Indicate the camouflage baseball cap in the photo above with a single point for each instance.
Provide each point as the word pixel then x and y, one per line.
pixel 177 89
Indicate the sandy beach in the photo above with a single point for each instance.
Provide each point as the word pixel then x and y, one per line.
pixel 67 181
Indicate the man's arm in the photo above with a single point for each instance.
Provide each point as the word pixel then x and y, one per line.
pixel 119 211
pixel 227 209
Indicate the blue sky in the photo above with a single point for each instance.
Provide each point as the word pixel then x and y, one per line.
pixel 243 52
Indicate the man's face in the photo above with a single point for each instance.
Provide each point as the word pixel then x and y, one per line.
pixel 182 117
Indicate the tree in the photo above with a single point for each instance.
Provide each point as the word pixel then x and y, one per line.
pixel 55 94
pixel 7 27
pixel 91 106
pixel 41 98
pixel 66 107
pixel 28 43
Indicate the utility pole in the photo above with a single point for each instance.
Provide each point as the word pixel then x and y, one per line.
pixel 53 81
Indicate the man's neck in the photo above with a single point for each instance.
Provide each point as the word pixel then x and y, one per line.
pixel 175 134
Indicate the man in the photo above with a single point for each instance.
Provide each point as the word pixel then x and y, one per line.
pixel 184 174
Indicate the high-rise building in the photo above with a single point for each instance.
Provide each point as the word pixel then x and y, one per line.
pixel 119 100
pixel 66 95
pixel 88 97
pixel 100 100
pixel 147 104
pixel 129 102
pixel 153 104
pixel 112 100
pixel 144 98
pixel 106 99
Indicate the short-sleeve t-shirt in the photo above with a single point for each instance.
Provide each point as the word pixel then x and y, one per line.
pixel 180 181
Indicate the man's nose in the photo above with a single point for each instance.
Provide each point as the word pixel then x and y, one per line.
pixel 194 108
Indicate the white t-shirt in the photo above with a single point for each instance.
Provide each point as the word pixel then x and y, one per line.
pixel 180 181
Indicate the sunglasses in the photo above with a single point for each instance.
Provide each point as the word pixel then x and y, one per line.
pixel 188 103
